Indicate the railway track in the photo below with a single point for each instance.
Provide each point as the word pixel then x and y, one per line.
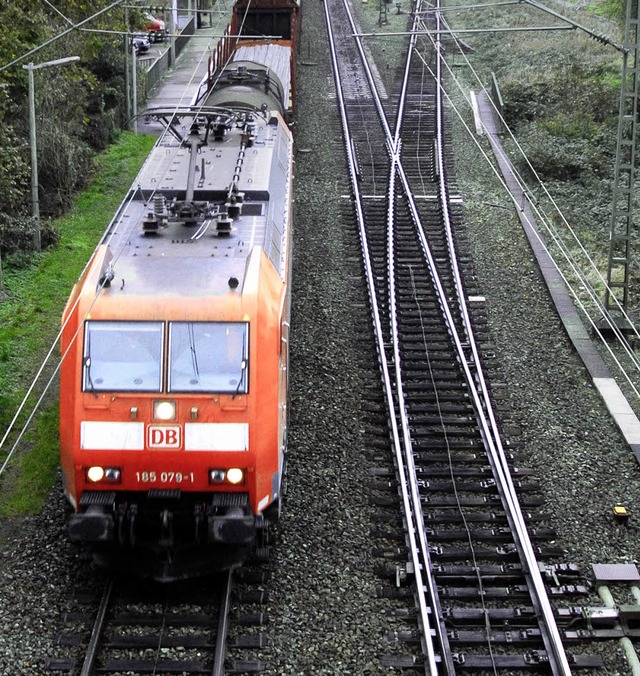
pixel 183 628
pixel 472 544
pixel 457 567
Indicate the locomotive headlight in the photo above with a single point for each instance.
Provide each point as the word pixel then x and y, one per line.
pixel 217 475
pixel 235 475
pixel 112 474
pixel 95 474
pixel 164 410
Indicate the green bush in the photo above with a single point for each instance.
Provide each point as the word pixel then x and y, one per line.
pixel 17 236
pixel 567 149
pixel 575 125
pixel 565 119
pixel 589 94
pixel 79 108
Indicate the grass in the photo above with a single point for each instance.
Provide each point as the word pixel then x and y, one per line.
pixel 30 320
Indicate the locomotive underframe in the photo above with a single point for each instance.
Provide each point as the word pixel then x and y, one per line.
pixel 168 533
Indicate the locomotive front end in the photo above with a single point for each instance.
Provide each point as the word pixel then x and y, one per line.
pixel 175 352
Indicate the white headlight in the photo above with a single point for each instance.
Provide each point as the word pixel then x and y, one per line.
pixel 95 473
pixel 235 475
pixel 164 410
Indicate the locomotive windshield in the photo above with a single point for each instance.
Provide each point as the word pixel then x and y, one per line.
pixel 203 357
pixel 208 357
pixel 123 356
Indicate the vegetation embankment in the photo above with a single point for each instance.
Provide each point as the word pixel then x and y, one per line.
pixel 561 93
pixel 80 106
pixel 30 320
pixel 80 109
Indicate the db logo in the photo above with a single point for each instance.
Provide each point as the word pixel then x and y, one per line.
pixel 163 437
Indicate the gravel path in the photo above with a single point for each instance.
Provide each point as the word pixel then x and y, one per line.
pixel 323 583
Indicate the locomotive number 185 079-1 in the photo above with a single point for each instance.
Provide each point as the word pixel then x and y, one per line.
pixel 165 477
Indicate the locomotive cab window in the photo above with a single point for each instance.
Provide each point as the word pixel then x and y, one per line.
pixel 209 357
pixel 122 356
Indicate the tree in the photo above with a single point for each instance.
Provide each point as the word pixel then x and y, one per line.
pixel 79 109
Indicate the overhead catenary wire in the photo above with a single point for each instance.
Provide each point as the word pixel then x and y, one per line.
pixel 113 227
pixel 547 223
pixel 57 37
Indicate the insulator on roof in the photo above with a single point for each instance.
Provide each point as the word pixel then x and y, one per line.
pixel 223 225
pixel 150 223
pixel 160 208
pixel 106 277
pixel 233 207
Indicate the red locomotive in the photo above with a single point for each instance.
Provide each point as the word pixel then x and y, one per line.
pixel 173 405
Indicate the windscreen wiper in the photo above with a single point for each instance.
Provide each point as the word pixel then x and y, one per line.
pixel 194 354
pixel 87 364
pixel 243 368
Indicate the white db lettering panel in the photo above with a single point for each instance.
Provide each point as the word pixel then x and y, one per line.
pixel 216 437
pixel 163 436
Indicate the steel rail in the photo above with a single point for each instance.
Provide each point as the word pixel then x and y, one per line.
pixel 482 403
pixel 96 633
pixel 406 459
pixel 380 343
pixel 489 428
pixel 222 629
pixel 500 466
pixel 394 147
pixel 223 626
pixel 478 389
pixel 408 456
pixel 488 420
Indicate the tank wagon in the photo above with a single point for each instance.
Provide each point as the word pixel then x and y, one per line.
pixel 173 385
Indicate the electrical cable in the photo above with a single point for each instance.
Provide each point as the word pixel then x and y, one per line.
pixel 112 229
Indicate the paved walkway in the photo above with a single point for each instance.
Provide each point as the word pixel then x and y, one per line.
pixel 181 81
pixel 602 379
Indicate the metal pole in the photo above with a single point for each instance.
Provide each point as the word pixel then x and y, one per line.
pixel 173 27
pixel 616 295
pixel 35 204
pixel 127 70
pixel 134 88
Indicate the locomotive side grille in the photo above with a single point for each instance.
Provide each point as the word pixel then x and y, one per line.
pixel 163 494
pixel 229 499
pixel 102 498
